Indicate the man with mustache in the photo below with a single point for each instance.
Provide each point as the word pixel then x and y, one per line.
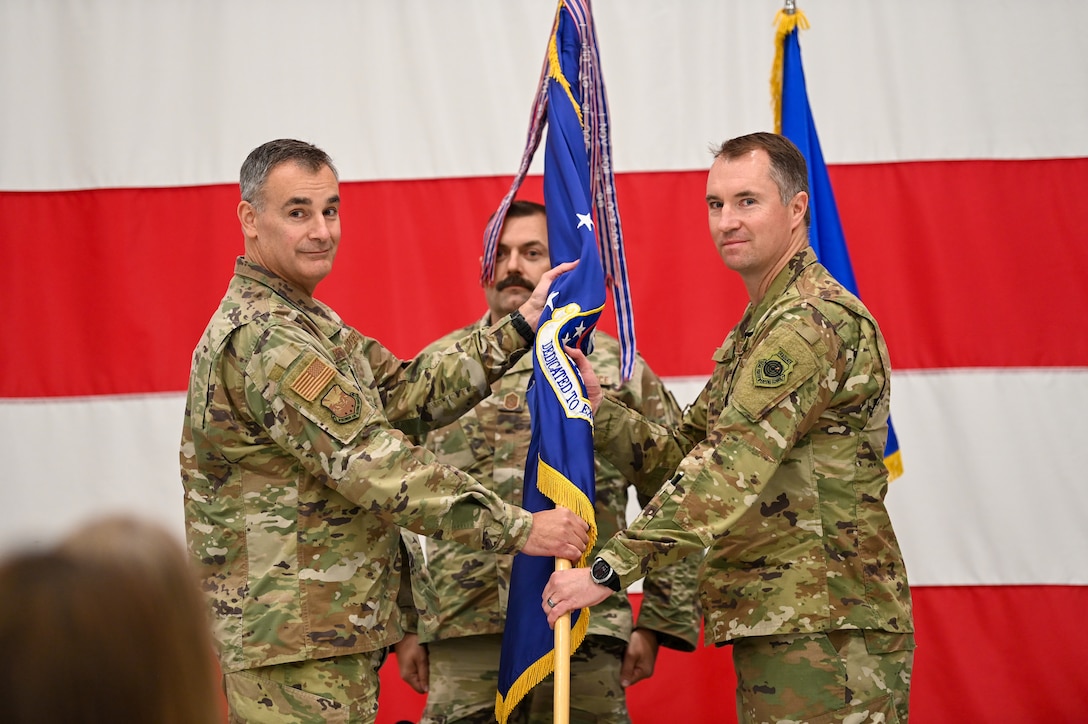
pixel 459 667
pixel 298 476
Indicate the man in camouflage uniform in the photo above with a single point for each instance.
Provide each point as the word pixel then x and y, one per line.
pixel 459 668
pixel 296 480
pixel 778 471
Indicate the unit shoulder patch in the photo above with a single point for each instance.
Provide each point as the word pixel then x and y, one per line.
pixel 344 405
pixel 773 370
pixel 778 366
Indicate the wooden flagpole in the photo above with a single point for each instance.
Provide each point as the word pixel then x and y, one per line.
pixel 561 696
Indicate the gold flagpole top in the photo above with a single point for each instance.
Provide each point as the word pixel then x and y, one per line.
pixel 791 7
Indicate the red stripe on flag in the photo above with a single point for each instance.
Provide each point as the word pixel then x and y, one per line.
pixel 974 646
pixel 972 263
pixel 965 264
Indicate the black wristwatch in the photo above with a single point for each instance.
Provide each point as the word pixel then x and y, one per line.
pixel 522 327
pixel 603 574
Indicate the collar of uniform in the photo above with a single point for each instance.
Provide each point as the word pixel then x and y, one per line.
pixel 326 319
pixel 787 276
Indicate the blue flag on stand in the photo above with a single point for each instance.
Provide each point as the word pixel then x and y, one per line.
pixel 583 223
pixel 793 116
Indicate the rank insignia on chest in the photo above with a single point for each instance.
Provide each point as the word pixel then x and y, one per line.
pixel 343 405
pixel 774 370
pixel 511 401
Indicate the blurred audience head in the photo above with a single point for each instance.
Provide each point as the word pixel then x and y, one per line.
pixel 108 626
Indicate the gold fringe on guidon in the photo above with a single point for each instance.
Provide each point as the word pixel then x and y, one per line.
pixel 894 463
pixel 566 494
pixel 786 23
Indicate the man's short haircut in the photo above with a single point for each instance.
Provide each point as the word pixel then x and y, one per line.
pixel 788 168
pixel 261 160
pixel 519 209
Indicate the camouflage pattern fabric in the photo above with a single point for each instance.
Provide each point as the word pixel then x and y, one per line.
pixel 417 599
pixel 465 674
pixel 342 689
pixel 464 677
pixel 296 482
pixel 491 443
pixel 596 695
pixel 780 471
pixel 861 677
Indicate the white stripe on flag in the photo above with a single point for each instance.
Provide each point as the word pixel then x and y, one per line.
pixel 991 492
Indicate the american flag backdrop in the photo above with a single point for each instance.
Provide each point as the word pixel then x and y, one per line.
pixel 956 136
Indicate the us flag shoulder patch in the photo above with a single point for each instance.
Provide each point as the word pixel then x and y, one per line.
pixel 313 379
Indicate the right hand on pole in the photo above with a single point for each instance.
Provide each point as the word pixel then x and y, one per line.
pixel 558 533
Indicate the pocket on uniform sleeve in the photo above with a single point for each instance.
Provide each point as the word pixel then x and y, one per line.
pixel 773 370
pixel 329 399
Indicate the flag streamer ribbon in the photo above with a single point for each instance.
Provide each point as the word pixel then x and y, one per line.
pixel 579 196
pixel 596 132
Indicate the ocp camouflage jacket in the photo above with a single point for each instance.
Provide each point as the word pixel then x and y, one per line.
pixel 296 480
pixel 780 471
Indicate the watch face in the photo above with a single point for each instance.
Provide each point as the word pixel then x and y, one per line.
pixel 601 570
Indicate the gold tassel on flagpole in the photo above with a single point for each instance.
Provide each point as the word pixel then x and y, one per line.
pixel 786 21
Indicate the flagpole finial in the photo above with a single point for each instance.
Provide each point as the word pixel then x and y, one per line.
pixel 791 7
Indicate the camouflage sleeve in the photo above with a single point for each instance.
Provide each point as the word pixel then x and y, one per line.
pixel 721 476
pixel 416 598
pixel 670 601
pixel 437 387
pixel 670 604
pixel 334 431
pixel 424 437
pixel 644 451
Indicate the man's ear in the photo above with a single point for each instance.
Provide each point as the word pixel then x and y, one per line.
pixel 248 216
pixel 798 207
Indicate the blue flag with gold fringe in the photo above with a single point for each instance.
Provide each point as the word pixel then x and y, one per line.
pixel 793 118
pixel 583 223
